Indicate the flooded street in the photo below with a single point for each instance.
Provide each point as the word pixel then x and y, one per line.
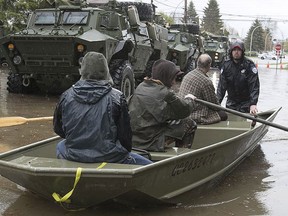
pixel 259 186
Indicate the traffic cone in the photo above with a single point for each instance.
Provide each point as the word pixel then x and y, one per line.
pixel 268 65
pixel 281 66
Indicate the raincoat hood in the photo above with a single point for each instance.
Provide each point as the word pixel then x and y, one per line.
pixel 90 91
pixel 95 67
pixel 165 71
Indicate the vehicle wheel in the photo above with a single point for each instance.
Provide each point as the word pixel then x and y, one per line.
pixel 15 85
pixel 191 65
pixel 148 70
pixel 123 77
pixel 262 58
pixel 145 10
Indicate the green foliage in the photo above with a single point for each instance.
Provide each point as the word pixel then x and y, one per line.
pixel 192 16
pixel 14 13
pixel 256 36
pixel 212 21
pixel 168 19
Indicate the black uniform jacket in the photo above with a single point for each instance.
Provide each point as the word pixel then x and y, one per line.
pixel 241 82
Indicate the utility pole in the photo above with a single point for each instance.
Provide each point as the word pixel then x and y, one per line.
pixel 265 45
pixel 185 11
pixel 251 39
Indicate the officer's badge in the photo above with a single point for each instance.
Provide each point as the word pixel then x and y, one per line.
pixel 254 70
pixel 243 71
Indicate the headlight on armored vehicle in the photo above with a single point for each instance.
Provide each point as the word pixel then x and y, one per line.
pixel 17 60
pixel 11 47
pixel 216 55
pixel 80 48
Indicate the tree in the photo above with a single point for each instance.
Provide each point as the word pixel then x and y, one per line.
pixel 212 21
pixel 192 16
pixel 164 19
pixel 14 13
pixel 257 37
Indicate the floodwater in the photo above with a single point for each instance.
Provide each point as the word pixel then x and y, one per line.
pixel 259 186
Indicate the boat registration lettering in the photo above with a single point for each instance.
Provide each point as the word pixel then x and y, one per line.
pixel 189 165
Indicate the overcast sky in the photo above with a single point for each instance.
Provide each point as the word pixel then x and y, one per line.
pixel 238 14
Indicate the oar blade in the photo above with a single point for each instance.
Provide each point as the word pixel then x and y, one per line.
pixel 11 121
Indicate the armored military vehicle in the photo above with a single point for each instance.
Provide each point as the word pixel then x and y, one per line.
pixel 48 53
pixel 217 47
pixel 185 45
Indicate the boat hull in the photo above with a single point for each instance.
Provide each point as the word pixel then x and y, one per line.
pixel 217 150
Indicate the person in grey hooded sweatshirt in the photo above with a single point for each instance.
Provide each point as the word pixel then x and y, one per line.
pixel 93 120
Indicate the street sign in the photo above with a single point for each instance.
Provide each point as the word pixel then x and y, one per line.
pixel 278 47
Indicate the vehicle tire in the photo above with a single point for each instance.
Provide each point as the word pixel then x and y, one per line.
pixel 148 70
pixel 191 65
pixel 123 77
pixel 15 85
pixel 145 10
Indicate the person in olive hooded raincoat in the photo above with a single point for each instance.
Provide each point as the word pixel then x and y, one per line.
pixel 156 111
pixel 93 118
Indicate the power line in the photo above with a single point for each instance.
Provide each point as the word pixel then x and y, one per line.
pixel 230 17
pixel 165 4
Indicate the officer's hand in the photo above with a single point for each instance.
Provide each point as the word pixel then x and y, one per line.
pixel 190 96
pixel 253 110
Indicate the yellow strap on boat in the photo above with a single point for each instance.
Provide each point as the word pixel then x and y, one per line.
pixel 65 198
pixel 101 165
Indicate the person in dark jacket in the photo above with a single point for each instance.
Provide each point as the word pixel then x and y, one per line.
pixel 158 113
pixel 93 118
pixel 239 77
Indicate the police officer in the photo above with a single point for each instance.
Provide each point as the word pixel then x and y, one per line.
pixel 239 77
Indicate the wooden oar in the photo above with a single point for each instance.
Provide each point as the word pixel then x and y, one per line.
pixel 11 121
pixel 241 114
